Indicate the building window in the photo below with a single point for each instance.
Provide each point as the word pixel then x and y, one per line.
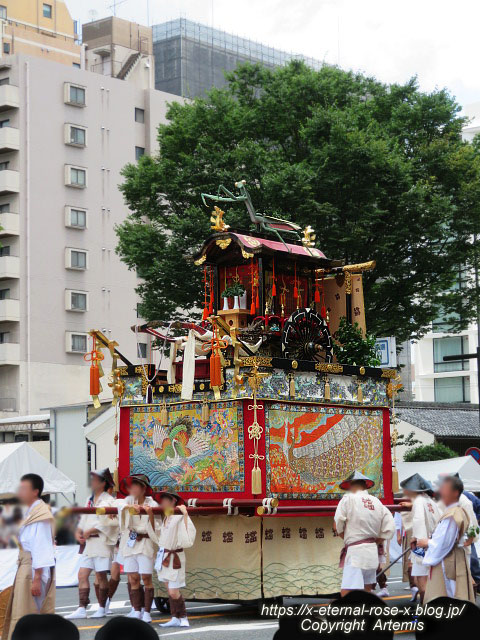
pixel 139 152
pixel 4 123
pixel 139 115
pixel 4 81
pixel 76 177
pixel 75 135
pixel 76 218
pixel 75 95
pixel 76 342
pixel 142 350
pixel 452 389
pixel 4 165
pixel 4 251
pixel 76 65
pixel 6 47
pixel 4 294
pixel 451 346
pixel 76 259
pixel 4 337
pixel 76 300
pixel 3 12
pixel 5 208
pixel 47 10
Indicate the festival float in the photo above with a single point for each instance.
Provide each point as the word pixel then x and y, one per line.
pixel 253 420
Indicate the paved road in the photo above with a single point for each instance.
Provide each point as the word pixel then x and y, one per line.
pixel 211 621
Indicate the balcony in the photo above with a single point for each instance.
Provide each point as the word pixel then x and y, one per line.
pixel 9 267
pixel 9 97
pixel 9 181
pixel 9 310
pixel 9 224
pixel 9 353
pixel 9 139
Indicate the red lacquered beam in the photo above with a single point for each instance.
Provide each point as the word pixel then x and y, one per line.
pixel 315 509
pixel 193 511
pixel 235 502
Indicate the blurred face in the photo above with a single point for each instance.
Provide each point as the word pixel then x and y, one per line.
pixel 410 495
pixel 26 493
pixel 137 490
pixel 97 484
pixel 358 486
pixel 447 494
pixel 167 502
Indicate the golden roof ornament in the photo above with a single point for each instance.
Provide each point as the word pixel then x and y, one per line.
pixel 309 237
pixel 218 223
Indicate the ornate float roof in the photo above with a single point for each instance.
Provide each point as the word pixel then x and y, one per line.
pixel 223 247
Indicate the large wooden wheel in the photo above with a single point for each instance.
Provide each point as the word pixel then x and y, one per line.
pixel 306 336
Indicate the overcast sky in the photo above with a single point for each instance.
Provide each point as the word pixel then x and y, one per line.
pixel 391 39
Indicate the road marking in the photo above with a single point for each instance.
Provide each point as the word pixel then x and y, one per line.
pixel 204 615
pixel 247 626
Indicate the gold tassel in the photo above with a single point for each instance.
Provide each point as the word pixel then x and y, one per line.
pixel 164 415
pixel 205 410
pixel 256 480
pixel 360 393
pixel 326 391
pixel 292 386
pixel 395 483
pixel 115 480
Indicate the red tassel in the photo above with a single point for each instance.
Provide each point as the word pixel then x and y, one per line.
pixel 210 307
pixel 295 292
pixel 215 370
pixel 205 314
pixel 257 302
pixel 323 311
pixel 252 308
pixel 317 295
pixel 274 290
pixel 94 380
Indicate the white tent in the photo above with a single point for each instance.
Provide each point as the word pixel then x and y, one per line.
pixel 467 468
pixel 20 458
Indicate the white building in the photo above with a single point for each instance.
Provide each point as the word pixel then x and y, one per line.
pixel 435 380
pixel 65 136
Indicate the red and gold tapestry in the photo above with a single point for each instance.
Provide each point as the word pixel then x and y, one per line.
pixel 189 454
pixel 311 449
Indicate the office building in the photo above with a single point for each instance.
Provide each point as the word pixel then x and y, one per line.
pixel 191 58
pixel 65 136
pixel 41 29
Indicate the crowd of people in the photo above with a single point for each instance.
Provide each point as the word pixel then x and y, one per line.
pixel 437 530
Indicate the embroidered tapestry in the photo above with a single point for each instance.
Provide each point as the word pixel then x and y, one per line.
pixel 189 454
pixel 311 449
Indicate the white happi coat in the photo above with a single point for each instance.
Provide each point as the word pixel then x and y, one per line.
pixel 425 515
pixel 359 516
pixel 107 527
pixel 171 534
pixel 139 523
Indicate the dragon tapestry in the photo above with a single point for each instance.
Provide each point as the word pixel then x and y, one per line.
pixel 310 450
pixel 189 454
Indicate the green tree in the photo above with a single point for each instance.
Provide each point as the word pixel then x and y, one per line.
pixel 352 347
pixel 437 451
pixel 380 171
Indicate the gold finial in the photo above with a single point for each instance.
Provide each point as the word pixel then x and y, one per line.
pixel 309 236
pixel 217 221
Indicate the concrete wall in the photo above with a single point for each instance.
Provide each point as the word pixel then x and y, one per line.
pixel 404 428
pixel 69 448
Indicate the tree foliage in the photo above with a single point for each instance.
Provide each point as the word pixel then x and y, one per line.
pixel 437 451
pixel 352 347
pixel 380 172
